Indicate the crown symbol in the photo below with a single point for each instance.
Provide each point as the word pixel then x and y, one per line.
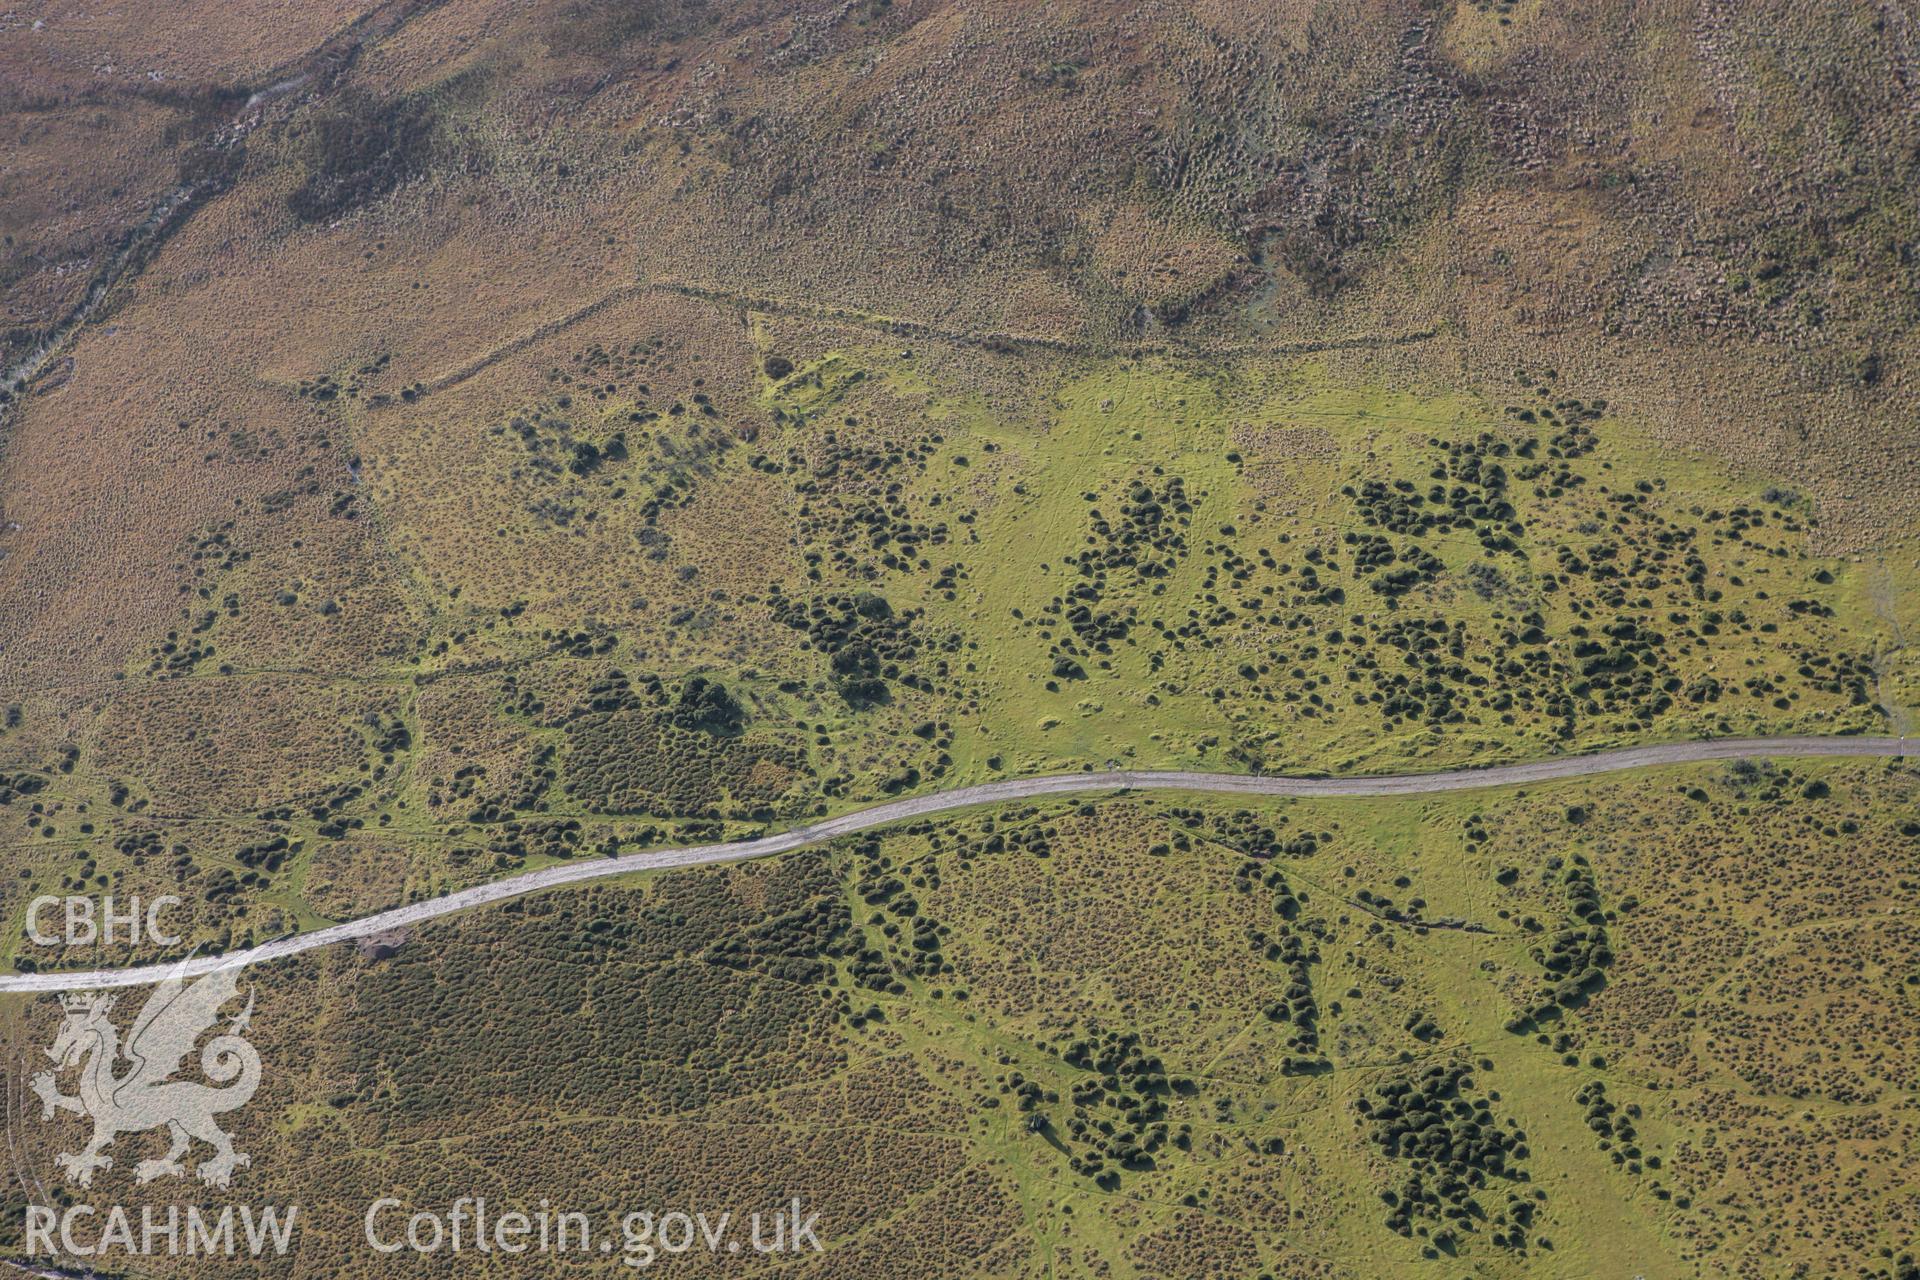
pixel 80 1001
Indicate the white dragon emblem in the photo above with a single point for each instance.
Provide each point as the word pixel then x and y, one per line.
pixel 144 1097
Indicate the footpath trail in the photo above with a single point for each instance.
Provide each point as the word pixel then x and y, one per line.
pixel 880 815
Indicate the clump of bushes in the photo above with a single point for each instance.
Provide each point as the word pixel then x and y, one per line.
pixel 358 152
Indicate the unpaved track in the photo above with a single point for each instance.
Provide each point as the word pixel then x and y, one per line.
pixel 881 815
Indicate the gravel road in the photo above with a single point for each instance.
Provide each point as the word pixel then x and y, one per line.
pixel 881 815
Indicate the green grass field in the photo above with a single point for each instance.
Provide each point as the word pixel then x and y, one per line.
pixel 1249 567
